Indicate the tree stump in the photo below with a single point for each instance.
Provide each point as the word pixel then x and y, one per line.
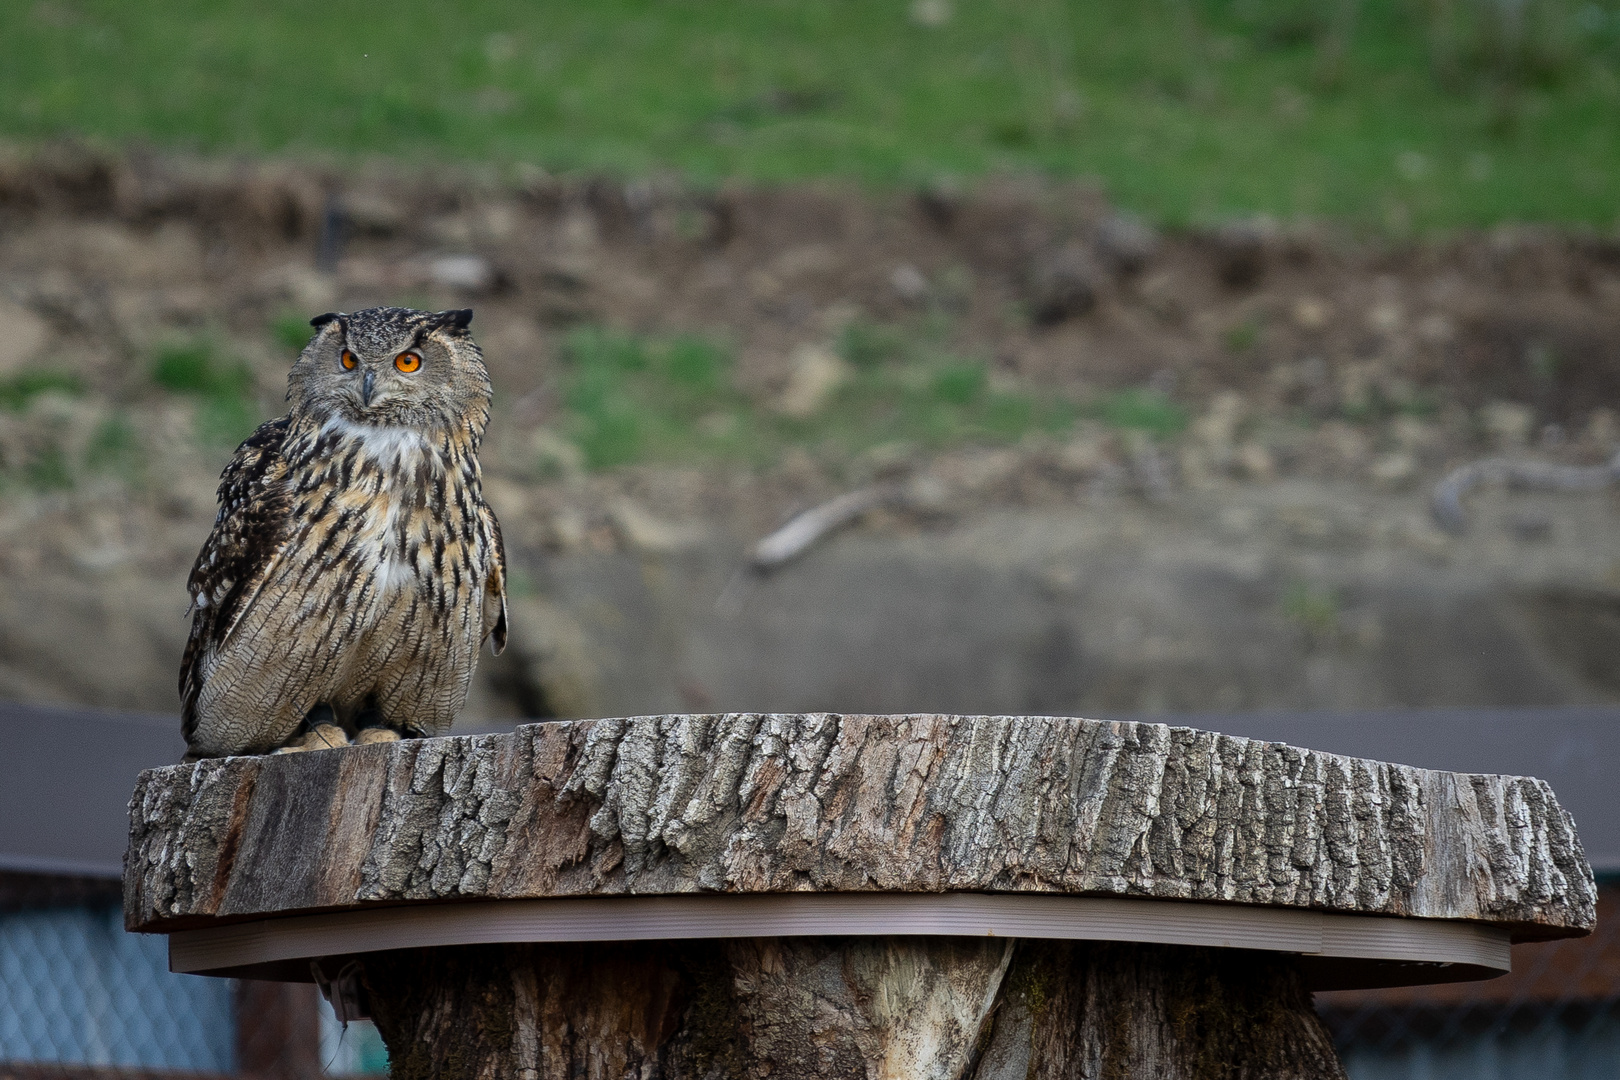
pixel 833 896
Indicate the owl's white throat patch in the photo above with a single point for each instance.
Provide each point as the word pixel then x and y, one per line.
pixel 397 452
pixel 388 445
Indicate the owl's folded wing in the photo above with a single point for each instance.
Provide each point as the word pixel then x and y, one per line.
pixel 254 511
pixel 495 590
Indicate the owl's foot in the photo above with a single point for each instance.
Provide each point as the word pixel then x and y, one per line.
pixel 319 737
pixel 374 726
pixel 319 731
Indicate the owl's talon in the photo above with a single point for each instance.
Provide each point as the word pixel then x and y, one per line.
pixel 326 737
pixel 319 737
pixel 376 735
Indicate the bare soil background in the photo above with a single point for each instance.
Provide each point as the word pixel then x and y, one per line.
pixel 1276 551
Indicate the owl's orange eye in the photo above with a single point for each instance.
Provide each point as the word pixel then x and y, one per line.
pixel 348 361
pixel 407 362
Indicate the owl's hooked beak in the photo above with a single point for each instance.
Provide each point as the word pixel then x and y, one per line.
pixel 366 386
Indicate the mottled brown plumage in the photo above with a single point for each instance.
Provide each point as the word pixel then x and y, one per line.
pixel 354 565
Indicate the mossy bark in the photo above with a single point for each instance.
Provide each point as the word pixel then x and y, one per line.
pixel 934 1008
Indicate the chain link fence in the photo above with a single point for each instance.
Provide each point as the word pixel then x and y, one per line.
pixel 1556 1017
pixel 80 998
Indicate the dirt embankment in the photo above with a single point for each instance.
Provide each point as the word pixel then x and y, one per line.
pixel 1273 549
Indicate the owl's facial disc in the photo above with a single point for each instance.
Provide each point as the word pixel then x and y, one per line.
pixel 392 367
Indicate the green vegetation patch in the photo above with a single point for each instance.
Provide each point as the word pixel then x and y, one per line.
pixel 292 332
pixel 1398 113
pixel 43 451
pixel 866 344
pixel 226 411
pixel 930 400
pixel 1140 409
pixel 115 448
pixel 18 390
pixel 629 399
pixel 1312 608
pixel 195 367
pixel 632 398
pixel 47 469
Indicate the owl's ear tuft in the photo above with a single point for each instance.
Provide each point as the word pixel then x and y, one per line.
pixel 321 320
pixel 457 319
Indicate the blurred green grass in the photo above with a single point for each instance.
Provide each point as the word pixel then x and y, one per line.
pixel 222 387
pixel 34 453
pixel 630 398
pixel 1392 113
pixel 16 391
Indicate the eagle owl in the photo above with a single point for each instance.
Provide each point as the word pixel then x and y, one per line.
pixel 354 569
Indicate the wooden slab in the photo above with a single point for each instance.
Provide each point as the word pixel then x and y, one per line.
pixel 758 804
